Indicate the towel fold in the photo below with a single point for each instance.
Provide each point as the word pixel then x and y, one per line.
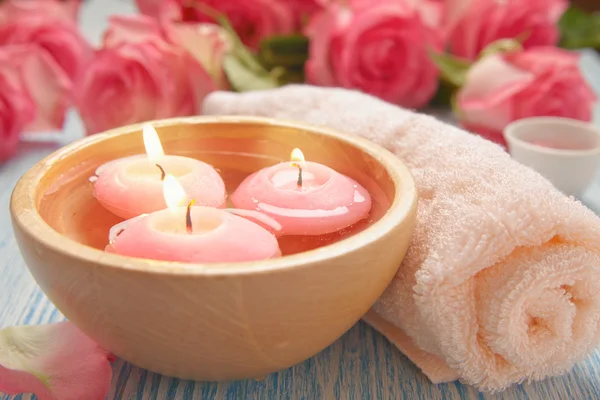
pixel 501 282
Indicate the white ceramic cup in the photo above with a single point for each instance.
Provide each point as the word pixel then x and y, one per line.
pixel 571 160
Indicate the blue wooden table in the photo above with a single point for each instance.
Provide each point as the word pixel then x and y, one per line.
pixel 360 365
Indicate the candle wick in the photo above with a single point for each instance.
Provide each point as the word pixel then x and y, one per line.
pixel 112 241
pixel 162 172
pixel 299 173
pixel 188 217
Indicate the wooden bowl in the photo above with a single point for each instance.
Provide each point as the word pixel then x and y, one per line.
pixel 212 321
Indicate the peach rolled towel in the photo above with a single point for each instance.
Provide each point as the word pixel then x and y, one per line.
pixel 501 282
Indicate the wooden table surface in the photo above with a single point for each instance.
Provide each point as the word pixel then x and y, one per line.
pixel 361 365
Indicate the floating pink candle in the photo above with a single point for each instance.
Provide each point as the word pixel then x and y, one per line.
pixel 131 186
pixel 306 198
pixel 191 234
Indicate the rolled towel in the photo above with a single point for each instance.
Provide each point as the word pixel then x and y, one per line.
pixel 501 282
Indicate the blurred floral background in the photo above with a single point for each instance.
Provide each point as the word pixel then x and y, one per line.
pixel 491 61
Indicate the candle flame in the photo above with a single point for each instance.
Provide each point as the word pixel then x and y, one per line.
pixel 173 192
pixel 297 155
pixel 152 143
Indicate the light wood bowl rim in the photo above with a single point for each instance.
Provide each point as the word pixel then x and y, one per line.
pixel 25 214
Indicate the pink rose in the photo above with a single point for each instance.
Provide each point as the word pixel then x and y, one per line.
pixel 62 9
pixel 431 11
pixel 33 94
pixel 253 20
pixel 205 43
pixel 45 27
pixel 504 87
pixel 381 49
pixel 139 75
pixel 473 24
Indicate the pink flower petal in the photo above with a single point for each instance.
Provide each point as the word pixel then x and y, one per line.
pixel 17 109
pixel 206 43
pixel 323 29
pixel 381 49
pixel 539 59
pixel 431 12
pixel 471 25
pixel 56 362
pixel 491 75
pixel 62 9
pixel 253 20
pixel 136 82
pixel 201 84
pixel 130 29
pixel 149 7
pixel 454 11
pixel 491 83
pixel 71 8
pixel 58 38
pixel 539 81
pixel 47 83
pixel 122 85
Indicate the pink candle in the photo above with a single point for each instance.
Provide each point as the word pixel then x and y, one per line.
pixel 131 186
pixel 192 234
pixel 305 198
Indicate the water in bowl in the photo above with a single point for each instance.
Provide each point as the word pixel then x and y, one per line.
pixel 69 206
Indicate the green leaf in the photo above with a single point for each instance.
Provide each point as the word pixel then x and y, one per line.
pixel 522 37
pixel 501 46
pixel 241 66
pixel 443 95
pixel 285 51
pixel 453 70
pixel 455 108
pixel 579 29
pixel 243 79
pixel 239 50
pixel 292 75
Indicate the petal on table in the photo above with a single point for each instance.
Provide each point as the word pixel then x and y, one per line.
pixel 55 361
